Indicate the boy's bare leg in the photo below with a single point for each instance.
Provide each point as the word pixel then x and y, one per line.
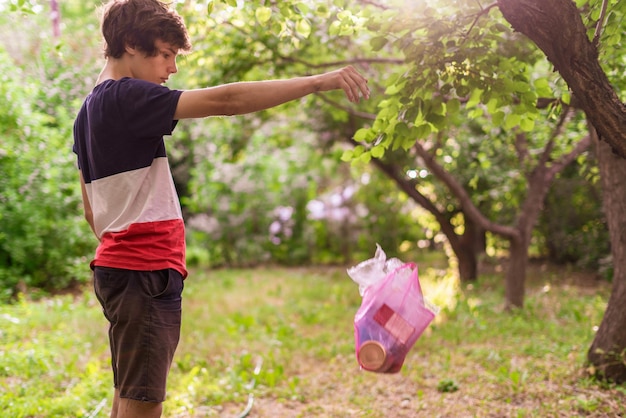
pixel 129 408
pixel 116 403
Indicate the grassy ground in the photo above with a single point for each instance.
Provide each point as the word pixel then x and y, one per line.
pixel 286 337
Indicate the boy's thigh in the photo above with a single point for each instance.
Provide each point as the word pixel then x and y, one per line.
pixel 144 312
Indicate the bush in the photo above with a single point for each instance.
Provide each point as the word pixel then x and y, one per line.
pixel 573 223
pixel 44 239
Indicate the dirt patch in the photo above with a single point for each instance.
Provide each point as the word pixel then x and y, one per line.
pixel 341 390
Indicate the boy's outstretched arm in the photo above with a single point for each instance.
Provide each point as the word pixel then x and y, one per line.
pixel 247 97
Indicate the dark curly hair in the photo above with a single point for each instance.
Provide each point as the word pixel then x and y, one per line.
pixel 138 24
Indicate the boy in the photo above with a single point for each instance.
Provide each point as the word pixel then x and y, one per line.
pixel 128 193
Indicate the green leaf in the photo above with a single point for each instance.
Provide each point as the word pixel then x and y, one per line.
pixel 303 27
pixel 438 121
pixel 453 106
pixel 378 151
pixel 542 87
pixel 347 155
pixel 396 88
pixel 421 131
pixel 285 10
pixel 492 105
pixel 474 98
pixel 362 135
pixel 322 11
pixel 473 183
pixel 263 14
pixel 462 91
pixel 475 113
pixel 378 43
pixel 521 86
pixel 301 8
pixel 512 120
pixel 401 130
pixel 408 143
pixel 527 124
pixel 358 150
pixel 498 117
pixel 209 7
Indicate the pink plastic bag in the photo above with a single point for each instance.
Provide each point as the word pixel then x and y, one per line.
pixel 392 316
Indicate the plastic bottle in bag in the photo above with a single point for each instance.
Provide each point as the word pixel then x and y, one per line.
pixel 393 313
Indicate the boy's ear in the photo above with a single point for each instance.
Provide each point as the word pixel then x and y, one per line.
pixel 130 50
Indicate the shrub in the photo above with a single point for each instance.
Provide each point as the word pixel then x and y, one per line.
pixel 43 237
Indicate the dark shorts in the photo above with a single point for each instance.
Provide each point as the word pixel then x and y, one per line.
pixel 144 312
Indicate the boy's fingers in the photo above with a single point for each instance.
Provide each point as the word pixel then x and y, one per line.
pixel 359 85
pixel 356 84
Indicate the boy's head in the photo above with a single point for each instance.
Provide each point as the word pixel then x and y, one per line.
pixel 139 24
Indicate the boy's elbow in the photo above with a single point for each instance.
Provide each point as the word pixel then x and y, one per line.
pixel 231 108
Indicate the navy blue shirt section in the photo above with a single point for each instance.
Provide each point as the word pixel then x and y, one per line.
pixel 121 125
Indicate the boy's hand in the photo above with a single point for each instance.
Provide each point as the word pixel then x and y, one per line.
pixel 349 80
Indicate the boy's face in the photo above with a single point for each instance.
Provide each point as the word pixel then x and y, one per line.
pixel 156 69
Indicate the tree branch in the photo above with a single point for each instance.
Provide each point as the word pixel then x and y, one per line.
pixel 521 146
pixel 562 162
pixel 558 129
pixel 409 186
pixel 600 24
pixel 353 61
pixel 483 11
pixel 469 209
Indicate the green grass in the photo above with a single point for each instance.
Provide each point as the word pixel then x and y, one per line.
pixel 286 336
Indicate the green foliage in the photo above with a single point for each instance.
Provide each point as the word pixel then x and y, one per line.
pixel 44 370
pixel 452 57
pixel 432 77
pixel 468 94
pixel 447 386
pixel 238 195
pixel 43 239
pixel 21 6
pixel 573 222
pixel 309 209
pixel 303 142
pixel 612 33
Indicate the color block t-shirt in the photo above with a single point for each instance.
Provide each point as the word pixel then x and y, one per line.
pixel 118 138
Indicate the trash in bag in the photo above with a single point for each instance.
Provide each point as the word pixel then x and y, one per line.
pixel 393 312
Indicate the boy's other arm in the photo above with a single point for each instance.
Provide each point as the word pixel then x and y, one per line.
pixel 86 205
pixel 247 97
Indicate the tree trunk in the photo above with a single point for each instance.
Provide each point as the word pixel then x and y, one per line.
pixel 468 266
pixel 556 27
pixel 608 350
pixel 55 15
pixel 516 274
pixel 471 245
